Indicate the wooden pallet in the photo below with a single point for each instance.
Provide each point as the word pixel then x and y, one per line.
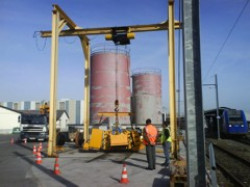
pixel 179 175
pixel 178 180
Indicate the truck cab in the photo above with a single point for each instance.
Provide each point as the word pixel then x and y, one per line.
pixel 34 127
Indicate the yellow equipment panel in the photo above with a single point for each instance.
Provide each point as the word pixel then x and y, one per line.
pixel 119 140
pixel 96 139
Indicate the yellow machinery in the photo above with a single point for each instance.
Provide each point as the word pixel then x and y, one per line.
pixel 105 140
pixel 115 139
pixel 44 109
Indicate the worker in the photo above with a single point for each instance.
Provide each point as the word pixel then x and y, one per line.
pixel 166 142
pixel 150 133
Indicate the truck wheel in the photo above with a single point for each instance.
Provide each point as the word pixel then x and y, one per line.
pixel 60 140
pixel 79 139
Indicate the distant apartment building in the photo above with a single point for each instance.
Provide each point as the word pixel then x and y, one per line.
pixel 7 104
pixel 81 112
pixel 23 105
pixel 74 108
pixel 30 105
pixel 71 107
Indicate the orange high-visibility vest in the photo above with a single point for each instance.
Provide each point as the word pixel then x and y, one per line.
pixel 151 133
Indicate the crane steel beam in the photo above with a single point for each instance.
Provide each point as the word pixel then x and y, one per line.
pixel 59 21
pixel 70 23
pixel 53 84
pixel 86 50
pixel 171 61
pixel 109 30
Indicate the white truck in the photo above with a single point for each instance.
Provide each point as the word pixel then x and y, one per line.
pixel 34 127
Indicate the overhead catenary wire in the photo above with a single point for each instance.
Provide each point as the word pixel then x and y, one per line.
pixel 226 39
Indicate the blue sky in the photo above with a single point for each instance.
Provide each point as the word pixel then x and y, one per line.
pixel 25 59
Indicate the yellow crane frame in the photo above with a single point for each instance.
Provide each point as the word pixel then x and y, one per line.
pixel 59 21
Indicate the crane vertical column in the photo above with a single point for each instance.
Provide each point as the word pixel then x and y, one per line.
pixel 171 58
pixel 193 94
pixel 86 50
pixel 53 84
pixel 57 26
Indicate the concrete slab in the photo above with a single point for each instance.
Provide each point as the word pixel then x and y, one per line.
pixel 101 169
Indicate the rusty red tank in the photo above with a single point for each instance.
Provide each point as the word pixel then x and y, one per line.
pixel 110 80
pixel 147 97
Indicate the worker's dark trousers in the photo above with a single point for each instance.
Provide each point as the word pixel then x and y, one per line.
pixel 150 151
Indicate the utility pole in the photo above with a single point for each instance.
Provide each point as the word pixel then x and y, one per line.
pixel 217 104
pixel 217 107
pixel 193 94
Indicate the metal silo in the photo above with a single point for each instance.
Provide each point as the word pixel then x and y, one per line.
pixel 147 98
pixel 110 80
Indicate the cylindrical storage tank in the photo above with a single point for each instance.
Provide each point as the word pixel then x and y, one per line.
pixel 147 97
pixel 110 80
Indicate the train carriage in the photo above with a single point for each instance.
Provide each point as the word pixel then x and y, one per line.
pixel 232 122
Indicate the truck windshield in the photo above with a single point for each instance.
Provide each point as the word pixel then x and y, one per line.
pixel 33 119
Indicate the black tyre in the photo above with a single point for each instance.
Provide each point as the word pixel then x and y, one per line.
pixel 61 139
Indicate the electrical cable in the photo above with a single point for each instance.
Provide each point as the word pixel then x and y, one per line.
pixel 225 41
pixel 35 35
pixel 70 42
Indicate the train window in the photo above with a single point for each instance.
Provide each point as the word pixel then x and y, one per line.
pixel 235 120
pixel 235 117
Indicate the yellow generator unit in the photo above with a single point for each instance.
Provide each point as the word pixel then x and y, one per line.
pixel 104 140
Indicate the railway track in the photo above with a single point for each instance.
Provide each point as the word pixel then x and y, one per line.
pixel 233 163
pixel 244 141
pixel 234 155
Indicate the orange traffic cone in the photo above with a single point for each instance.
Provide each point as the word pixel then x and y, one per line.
pixel 40 146
pixel 56 167
pixel 12 140
pixel 38 157
pixel 34 150
pixel 124 178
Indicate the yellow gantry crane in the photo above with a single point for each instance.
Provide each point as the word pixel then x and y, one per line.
pixel 121 36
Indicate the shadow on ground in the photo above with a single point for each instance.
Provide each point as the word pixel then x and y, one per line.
pixel 49 172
